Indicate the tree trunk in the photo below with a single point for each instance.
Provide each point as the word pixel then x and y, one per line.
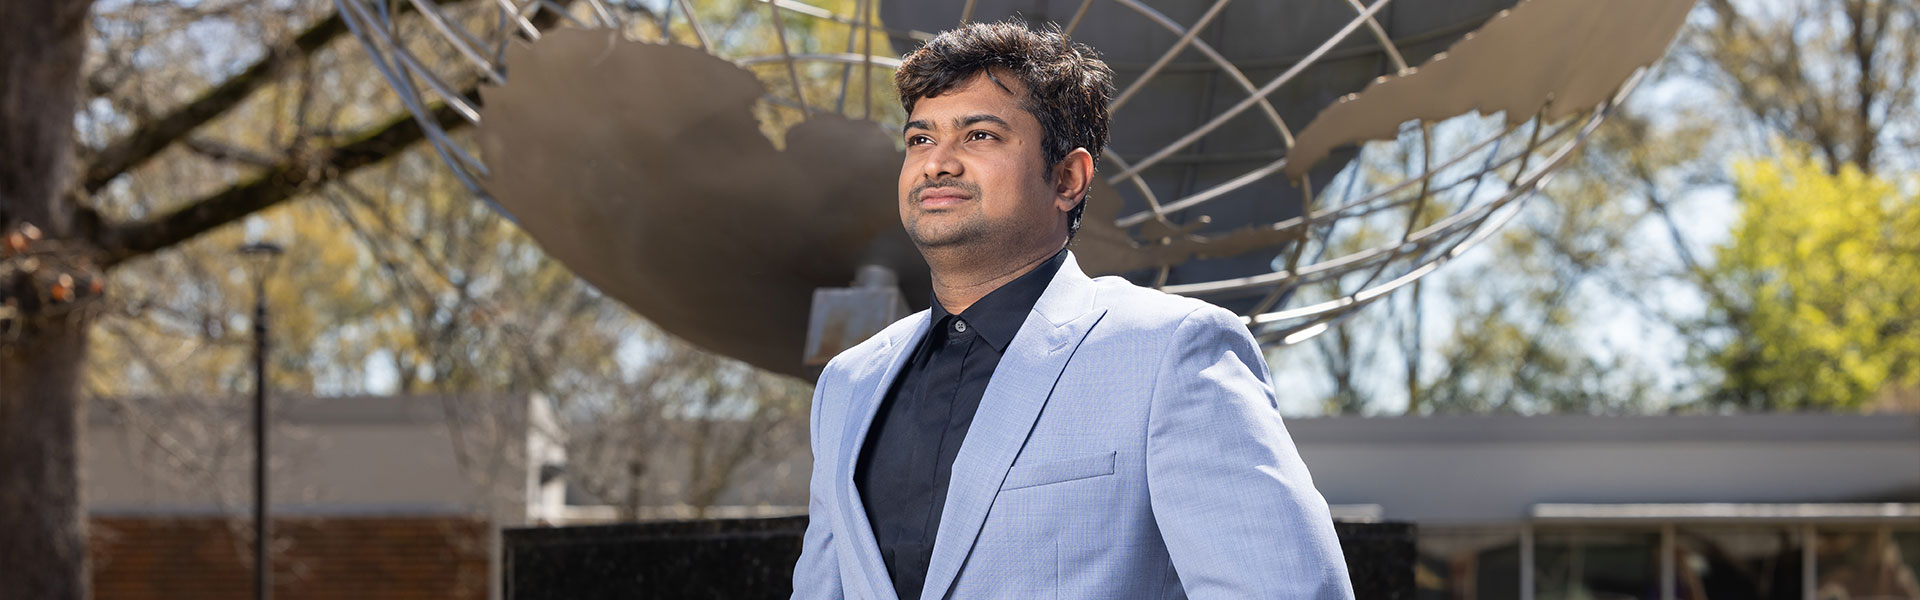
pixel 43 551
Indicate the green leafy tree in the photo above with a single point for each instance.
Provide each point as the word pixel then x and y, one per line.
pixel 1823 288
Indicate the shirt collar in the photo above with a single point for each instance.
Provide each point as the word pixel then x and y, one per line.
pixel 999 315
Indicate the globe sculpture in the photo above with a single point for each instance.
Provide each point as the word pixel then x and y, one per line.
pixel 1294 161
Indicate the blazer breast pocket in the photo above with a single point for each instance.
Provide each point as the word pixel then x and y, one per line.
pixel 1059 471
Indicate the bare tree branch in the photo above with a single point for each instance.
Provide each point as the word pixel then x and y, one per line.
pixel 152 137
pixel 288 179
pixel 229 152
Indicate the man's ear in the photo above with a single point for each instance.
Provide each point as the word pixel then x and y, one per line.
pixel 1072 178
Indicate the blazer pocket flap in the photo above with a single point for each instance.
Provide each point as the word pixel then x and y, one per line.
pixel 1056 471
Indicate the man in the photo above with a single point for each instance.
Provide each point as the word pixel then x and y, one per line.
pixel 1036 433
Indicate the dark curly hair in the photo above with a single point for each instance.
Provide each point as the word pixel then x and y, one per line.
pixel 1068 86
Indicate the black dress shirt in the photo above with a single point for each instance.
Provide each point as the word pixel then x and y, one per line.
pixel 908 456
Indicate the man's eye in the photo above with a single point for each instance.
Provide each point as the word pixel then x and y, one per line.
pixel 917 140
pixel 979 135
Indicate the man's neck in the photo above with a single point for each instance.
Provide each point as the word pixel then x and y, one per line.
pixel 960 281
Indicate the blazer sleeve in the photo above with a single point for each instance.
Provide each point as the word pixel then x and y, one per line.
pixel 817 574
pixel 1233 501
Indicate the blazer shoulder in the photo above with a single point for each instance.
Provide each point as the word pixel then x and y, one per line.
pixel 1149 308
pixel 849 364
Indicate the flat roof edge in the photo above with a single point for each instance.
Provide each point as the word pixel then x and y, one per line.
pixel 1726 512
pixel 1772 428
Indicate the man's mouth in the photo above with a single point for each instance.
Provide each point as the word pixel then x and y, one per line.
pixel 939 197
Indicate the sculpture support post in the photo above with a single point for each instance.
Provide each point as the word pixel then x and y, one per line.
pixel 843 317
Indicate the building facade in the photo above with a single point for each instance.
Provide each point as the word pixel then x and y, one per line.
pixel 1760 507
pixel 371 498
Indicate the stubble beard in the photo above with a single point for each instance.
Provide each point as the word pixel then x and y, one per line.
pixel 958 230
pixel 964 234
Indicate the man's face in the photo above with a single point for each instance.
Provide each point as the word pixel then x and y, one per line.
pixel 974 177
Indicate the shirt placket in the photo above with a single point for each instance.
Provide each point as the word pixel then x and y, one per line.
pixel 945 385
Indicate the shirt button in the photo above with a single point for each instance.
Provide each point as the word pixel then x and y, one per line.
pixel 960 326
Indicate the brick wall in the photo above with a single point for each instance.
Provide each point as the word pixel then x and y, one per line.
pixel 318 558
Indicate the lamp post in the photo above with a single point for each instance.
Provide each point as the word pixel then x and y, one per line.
pixel 260 259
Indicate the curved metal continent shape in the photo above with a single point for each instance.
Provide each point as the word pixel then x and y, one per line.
pixel 641 167
pixel 1517 64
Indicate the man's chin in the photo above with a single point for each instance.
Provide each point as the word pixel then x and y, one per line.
pixel 926 244
pixel 943 240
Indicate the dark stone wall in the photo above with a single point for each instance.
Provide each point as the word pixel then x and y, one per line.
pixel 753 558
pixel 1380 559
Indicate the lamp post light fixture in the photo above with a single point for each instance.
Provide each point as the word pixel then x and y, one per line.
pixel 260 257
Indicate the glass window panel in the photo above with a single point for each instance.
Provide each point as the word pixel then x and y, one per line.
pixel 1853 564
pixel 1908 542
pixel 1737 563
pixel 1468 563
pixel 1596 565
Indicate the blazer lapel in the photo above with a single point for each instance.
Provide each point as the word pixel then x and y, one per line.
pixel 1008 409
pixel 853 515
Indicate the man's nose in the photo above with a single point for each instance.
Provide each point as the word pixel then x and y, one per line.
pixel 940 163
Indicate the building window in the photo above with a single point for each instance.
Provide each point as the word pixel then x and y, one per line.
pixel 1596 564
pixel 1866 563
pixel 1908 543
pixel 1775 559
pixel 1737 563
pixel 1468 563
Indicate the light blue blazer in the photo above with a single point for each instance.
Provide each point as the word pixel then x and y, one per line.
pixel 1128 446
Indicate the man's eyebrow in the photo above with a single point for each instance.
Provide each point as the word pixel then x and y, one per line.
pixel 980 118
pixel 958 122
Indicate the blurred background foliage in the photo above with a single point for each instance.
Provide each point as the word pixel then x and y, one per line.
pixel 1823 282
